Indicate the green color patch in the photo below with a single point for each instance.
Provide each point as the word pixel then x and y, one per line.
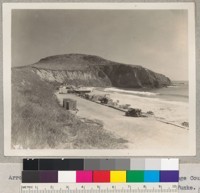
pixel 135 176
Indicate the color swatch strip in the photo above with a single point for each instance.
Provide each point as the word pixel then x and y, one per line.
pixel 100 176
pixel 101 164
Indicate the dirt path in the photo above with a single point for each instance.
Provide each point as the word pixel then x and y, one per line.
pixel 142 133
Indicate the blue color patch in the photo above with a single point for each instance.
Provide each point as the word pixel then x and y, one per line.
pixel 151 176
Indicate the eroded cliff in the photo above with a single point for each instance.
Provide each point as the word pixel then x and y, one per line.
pixel 87 70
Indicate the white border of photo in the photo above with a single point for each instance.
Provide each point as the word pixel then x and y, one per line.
pixel 7 8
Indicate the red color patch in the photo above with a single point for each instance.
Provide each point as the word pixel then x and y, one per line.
pixel 101 176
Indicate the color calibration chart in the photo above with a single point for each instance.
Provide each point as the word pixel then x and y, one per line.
pixel 100 175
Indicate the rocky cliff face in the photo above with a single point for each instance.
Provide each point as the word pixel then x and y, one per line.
pixel 134 77
pixel 75 77
pixel 79 69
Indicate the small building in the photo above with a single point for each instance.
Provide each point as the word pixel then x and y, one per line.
pixel 83 90
pixel 63 90
pixel 69 104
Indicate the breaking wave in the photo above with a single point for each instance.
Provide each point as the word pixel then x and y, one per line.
pixel 143 93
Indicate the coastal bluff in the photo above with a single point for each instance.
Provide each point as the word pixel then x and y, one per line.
pixel 90 70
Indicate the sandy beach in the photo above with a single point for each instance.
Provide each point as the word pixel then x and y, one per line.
pixel 169 111
pixel 144 132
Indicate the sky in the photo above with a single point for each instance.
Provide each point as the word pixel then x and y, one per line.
pixel 154 39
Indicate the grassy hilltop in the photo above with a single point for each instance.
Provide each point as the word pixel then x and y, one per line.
pixel 92 70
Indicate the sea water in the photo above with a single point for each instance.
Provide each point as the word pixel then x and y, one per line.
pixel 177 91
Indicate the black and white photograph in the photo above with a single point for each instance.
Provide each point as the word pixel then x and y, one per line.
pixel 99 79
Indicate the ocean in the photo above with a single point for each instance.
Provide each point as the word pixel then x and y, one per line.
pixel 178 91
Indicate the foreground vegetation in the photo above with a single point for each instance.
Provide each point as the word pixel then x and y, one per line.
pixel 39 122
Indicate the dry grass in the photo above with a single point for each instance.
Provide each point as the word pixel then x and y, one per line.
pixel 39 122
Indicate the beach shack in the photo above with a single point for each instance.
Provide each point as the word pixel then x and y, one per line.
pixel 83 90
pixel 69 104
pixel 63 90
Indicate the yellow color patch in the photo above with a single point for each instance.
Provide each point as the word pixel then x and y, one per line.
pixel 117 176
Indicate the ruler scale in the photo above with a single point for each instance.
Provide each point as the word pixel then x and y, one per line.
pixel 100 188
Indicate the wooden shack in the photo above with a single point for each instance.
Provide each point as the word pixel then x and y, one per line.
pixel 69 104
pixel 63 90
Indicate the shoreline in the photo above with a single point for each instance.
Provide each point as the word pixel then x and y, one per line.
pixel 148 93
pixel 140 132
pixel 173 112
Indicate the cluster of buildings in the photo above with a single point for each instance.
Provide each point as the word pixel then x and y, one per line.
pixel 72 89
pixel 85 92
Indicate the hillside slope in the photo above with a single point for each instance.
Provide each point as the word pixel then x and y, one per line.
pixel 88 70
pixel 38 121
